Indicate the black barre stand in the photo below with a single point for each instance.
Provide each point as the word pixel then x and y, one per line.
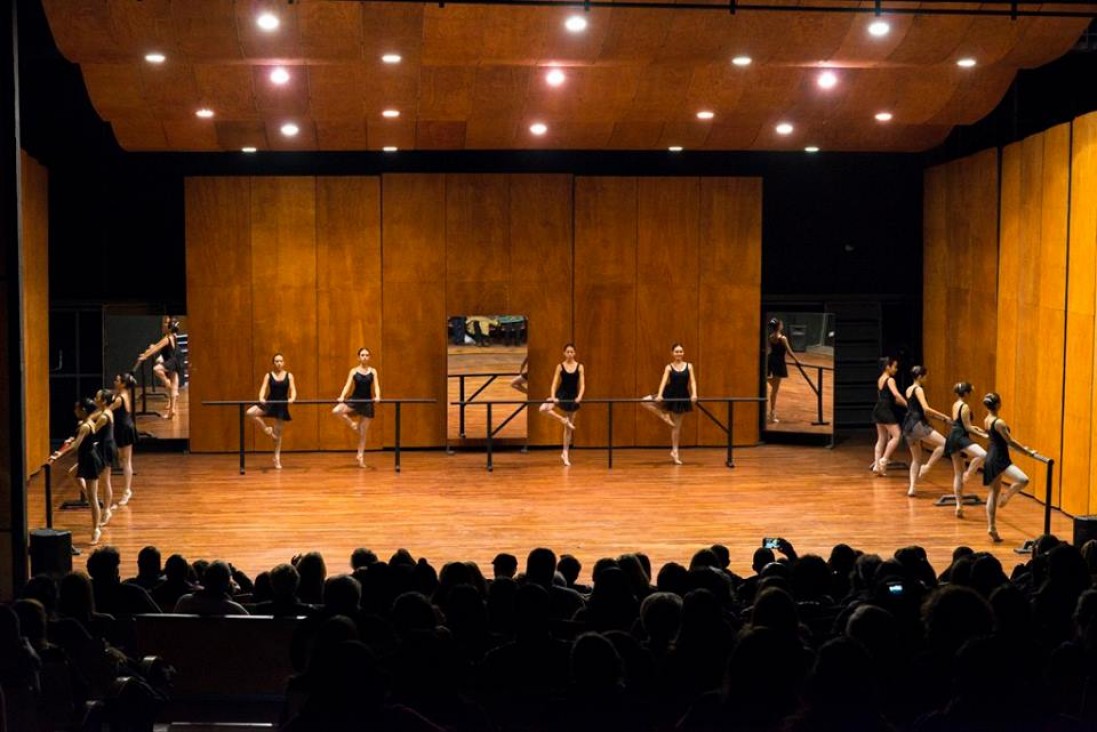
pixel 728 429
pixel 242 406
pixel 1029 546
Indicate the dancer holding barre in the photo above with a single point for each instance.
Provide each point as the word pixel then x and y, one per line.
pixel 568 384
pixel 276 393
pixel 364 388
pixel 168 369
pixel 959 443
pixel 679 384
pixel 887 416
pixel 776 369
pixel 916 429
pixel 125 431
pixel 89 461
pixel 998 464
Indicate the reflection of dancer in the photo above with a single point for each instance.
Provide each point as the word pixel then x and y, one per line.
pixel 277 392
pixel 679 384
pixel 776 369
pixel 89 463
pixel 521 381
pixel 886 416
pixel 568 384
pixel 916 429
pixel 959 443
pixel 168 369
pixel 362 386
pixel 998 463
pixel 108 449
pixel 125 431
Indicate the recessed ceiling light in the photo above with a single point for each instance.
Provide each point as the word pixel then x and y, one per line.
pixel 965 63
pixel 268 22
pixel 389 148
pixel 248 149
pixel 827 80
pixel 555 77
pixel 742 60
pixel 675 148
pixel 576 24
pixel 538 128
pixel 289 129
pixel 879 28
pixel 883 116
pixel 391 113
pixel 155 57
pixel 811 149
pixel 279 75
pixel 204 113
pixel 391 58
pixel 783 128
pixel 705 114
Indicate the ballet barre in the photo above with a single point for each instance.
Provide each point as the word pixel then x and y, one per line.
pixel 728 429
pixel 491 376
pixel 1029 546
pixel 816 387
pixel 242 405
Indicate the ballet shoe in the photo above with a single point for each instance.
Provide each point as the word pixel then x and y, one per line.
pixel 965 477
pixel 564 459
pixel 95 536
pixel 277 464
pixel 570 424
pixel 994 536
pixel 361 460
pixel 107 516
pixel 912 492
pixel 959 511
pixel 1009 493
pixel 675 458
pixel 881 468
pixel 126 498
pixel 922 472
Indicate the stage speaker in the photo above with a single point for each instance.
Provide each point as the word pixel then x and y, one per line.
pixel 50 552
pixel 1085 528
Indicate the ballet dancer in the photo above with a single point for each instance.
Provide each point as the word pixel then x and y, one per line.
pixel 886 415
pixel 521 381
pixel 168 369
pixel 569 382
pixel 108 449
pixel 916 429
pixel 125 431
pixel 276 393
pixel 959 443
pixel 362 386
pixel 776 369
pixel 998 464
pixel 679 385
pixel 89 462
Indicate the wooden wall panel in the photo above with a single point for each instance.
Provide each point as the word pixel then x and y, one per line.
pixel 284 314
pixel 605 300
pixel 413 236
pixel 1079 468
pixel 36 387
pixel 730 277
pixel 219 305
pixel 348 298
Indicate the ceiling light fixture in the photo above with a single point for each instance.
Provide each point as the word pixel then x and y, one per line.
pixel 204 113
pixel 389 148
pixel 675 148
pixel 155 57
pixel 279 75
pixel 555 77
pixel 742 60
pixel 392 58
pixel 538 128
pixel 576 24
pixel 705 114
pixel 965 63
pixel 248 149
pixel 827 80
pixel 783 128
pixel 883 116
pixel 390 113
pixel 811 149
pixel 268 22
pixel 289 129
pixel 879 28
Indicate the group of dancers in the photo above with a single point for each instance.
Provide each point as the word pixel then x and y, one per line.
pixel 101 438
pixel 914 425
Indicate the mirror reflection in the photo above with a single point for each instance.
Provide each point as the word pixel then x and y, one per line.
pixel 155 349
pixel 799 371
pixel 487 361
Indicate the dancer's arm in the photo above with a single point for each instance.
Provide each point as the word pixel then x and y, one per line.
pixel 347 387
pixel 72 443
pixel 692 382
pixel 789 351
pixel 1003 430
pixel 582 384
pixel 376 385
pixel 555 386
pixel 965 417
pixel 662 384
pixel 899 398
pixel 920 395
pixel 154 348
pixel 264 389
pixel 292 389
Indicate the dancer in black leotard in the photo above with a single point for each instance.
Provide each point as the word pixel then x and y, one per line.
pixel 276 393
pixel 168 369
pixel 916 429
pixel 998 464
pixel 125 431
pixel 89 462
pixel 363 388
pixel 959 443
pixel 568 384
pixel 886 415
pixel 108 449
pixel 679 386
pixel 776 369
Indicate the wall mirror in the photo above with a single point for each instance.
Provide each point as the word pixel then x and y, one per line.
pixel 487 362
pixel 799 378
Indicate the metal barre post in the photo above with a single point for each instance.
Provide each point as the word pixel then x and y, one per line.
pixel 240 411
pixel 609 437
pixel 49 495
pixel 731 421
pixel 397 446
pixel 1047 497
pixel 491 467
pixel 461 408
pixel 819 396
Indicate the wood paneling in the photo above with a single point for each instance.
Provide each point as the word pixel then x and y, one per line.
pixel 36 368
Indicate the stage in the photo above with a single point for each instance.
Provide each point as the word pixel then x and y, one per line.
pixel 448 508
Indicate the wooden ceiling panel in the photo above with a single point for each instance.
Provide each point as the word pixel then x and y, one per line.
pixel 474 76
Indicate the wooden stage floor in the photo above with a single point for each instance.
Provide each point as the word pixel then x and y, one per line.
pixel 449 508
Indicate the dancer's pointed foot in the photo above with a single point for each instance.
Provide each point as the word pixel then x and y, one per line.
pixel 959 511
pixel 107 516
pixel 564 459
pixel 361 460
pixel 993 534
pixel 570 424
pixel 352 424
pixel 1009 493
pixel 912 492
pixel 95 536
pixel 126 497
pixel 675 458
pixel 923 471
pixel 277 464
pixel 269 430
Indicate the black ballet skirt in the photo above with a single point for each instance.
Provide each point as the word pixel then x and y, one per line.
pixel 277 391
pixel 958 437
pixel 363 389
pixel 125 431
pixel 568 389
pixel 89 461
pixel 886 410
pixel 677 388
pixel 168 353
pixel 915 424
pixel 775 361
pixel 108 449
pixel 998 460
